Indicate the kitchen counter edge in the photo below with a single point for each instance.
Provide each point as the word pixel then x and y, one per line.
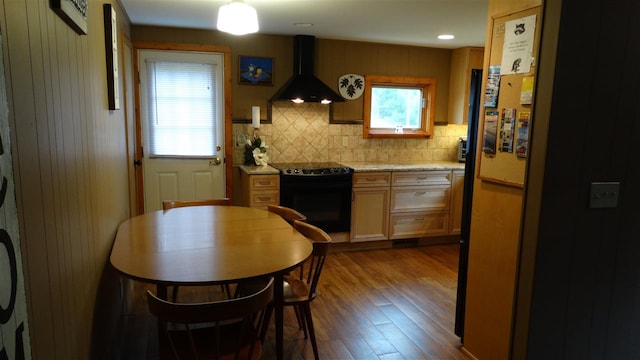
pixel 418 166
pixel 259 170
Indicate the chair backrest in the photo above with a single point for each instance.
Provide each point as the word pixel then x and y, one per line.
pixel 288 214
pixel 255 309
pixel 321 242
pixel 170 204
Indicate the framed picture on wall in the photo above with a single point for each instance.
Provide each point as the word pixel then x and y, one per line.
pixel 111 48
pixel 73 12
pixel 255 70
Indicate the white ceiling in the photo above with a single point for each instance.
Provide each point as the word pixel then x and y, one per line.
pixel 407 22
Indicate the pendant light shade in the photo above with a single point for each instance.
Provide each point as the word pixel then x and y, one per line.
pixel 237 18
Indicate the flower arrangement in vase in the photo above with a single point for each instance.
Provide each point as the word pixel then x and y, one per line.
pixel 255 152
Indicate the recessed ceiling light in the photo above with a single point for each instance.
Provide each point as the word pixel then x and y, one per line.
pixel 445 37
pixel 303 24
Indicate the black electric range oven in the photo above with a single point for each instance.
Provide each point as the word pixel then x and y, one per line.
pixel 319 190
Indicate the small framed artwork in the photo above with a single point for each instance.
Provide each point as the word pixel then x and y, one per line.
pixel 73 12
pixel 255 70
pixel 111 47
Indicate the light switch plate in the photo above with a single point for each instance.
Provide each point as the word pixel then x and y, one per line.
pixel 604 195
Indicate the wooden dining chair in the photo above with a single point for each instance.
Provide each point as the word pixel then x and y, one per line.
pixel 288 214
pixel 226 329
pixel 299 291
pixel 171 204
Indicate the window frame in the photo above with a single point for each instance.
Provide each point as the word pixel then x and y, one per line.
pixel 427 118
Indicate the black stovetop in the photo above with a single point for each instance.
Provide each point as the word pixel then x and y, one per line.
pixel 308 168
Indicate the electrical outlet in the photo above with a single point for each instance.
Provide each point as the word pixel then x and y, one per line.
pixel 240 140
pixel 345 141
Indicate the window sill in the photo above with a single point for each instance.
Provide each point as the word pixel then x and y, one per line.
pixel 391 134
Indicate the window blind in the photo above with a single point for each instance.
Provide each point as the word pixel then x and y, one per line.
pixel 182 108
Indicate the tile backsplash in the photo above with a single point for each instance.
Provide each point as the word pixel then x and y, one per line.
pixel 301 133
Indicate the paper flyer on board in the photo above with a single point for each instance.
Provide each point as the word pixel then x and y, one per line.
pixel 526 92
pixel 507 126
pixel 522 134
pixel 493 87
pixel 518 45
pixel 490 132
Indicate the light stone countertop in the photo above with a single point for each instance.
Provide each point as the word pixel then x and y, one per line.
pixel 259 170
pixel 369 167
pixel 404 166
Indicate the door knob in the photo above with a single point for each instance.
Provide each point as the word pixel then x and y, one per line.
pixel 215 162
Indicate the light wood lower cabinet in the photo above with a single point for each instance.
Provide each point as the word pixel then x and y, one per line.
pixel 260 190
pixel 406 204
pixel 370 206
pixel 419 203
pixel 418 224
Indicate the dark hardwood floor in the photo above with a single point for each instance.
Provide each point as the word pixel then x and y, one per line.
pixel 396 303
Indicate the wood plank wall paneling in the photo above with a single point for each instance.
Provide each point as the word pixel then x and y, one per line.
pixel 70 169
pixel 334 58
pixel 584 286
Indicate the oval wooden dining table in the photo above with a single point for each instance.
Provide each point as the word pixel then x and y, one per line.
pixel 205 245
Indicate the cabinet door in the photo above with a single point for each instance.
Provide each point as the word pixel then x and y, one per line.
pixel 370 214
pixel 457 191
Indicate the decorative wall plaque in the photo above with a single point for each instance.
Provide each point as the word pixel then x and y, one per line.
pixel 73 12
pixel 351 86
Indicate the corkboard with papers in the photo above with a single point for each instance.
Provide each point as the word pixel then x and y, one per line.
pixel 506 111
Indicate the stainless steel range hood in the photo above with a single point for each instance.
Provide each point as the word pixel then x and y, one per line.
pixel 303 85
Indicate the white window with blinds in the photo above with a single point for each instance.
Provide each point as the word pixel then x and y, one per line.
pixel 183 107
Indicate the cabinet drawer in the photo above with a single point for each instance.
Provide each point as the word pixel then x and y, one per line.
pixel 264 198
pixel 418 224
pixel 412 198
pixel 370 179
pixel 264 182
pixel 412 178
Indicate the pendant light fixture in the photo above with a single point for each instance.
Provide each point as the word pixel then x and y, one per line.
pixel 237 18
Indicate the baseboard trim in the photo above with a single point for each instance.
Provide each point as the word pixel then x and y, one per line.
pixel 398 243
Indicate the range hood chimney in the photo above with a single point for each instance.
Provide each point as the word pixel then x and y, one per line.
pixel 303 85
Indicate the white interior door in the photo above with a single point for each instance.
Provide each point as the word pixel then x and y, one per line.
pixel 182 120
